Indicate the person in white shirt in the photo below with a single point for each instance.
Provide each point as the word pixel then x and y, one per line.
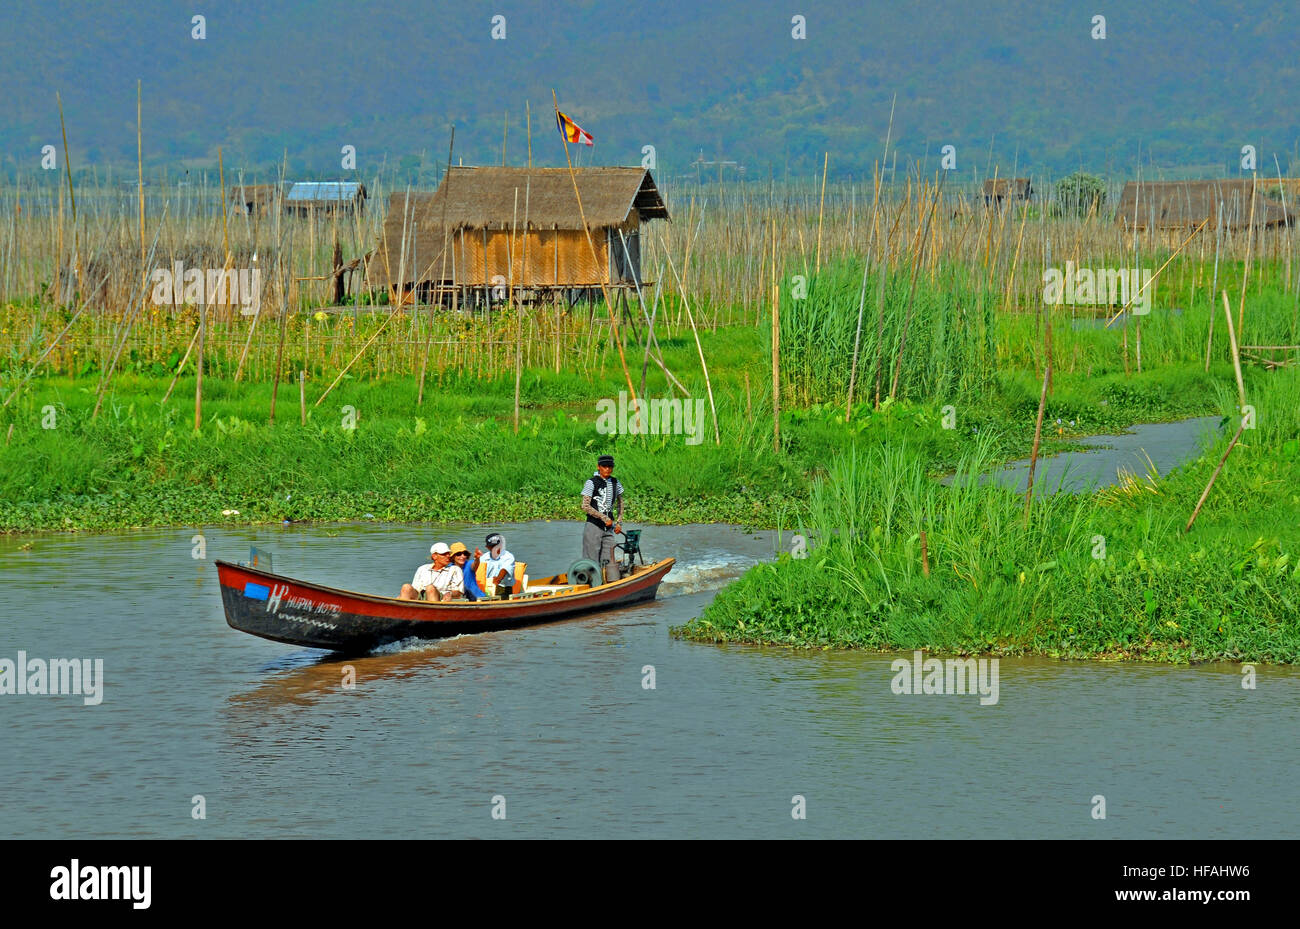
pixel 439 580
pixel 499 566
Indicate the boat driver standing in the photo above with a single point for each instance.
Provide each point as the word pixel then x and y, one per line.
pixel 602 501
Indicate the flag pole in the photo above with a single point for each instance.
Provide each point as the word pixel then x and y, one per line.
pixel 613 319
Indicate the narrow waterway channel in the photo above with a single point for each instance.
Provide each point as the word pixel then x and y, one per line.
pixel 1146 449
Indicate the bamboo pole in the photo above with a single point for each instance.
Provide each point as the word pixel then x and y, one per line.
pixel 911 297
pixel 776 356
pixel 139 164
pixel 862 296
pixel 820 211
pixel 1222 461
pixel 523 270
pixel 1009 294
pixel 239 369
pixel 886 249
pixel 879 363
pixel 415 291
pixel 622 359
pixel 650 333
pixel 58 253
pixel 1038 432
pixel 208 298
pixel 1136 262
pixel 1250 247
pixel 361 351
pixel 1137 330
pixel 72 196
pixel 285 274
pixel 1286 224
pixel 1218 234
pixel 448 241
pixel 708 386
pixel 181 366
pixel 1134 296
pixel 1236 356
pixel 650 319
pixel 514 228
pixel 399 292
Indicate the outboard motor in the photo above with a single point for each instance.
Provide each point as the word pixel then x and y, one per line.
pixel 586 571
pixel 631 546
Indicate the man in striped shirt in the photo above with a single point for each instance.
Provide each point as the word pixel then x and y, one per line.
pixel 602 502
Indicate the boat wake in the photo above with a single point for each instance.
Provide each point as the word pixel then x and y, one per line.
pixel 417 644
pixel 704 575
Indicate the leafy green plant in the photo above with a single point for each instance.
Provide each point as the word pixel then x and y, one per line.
pixel 1079 194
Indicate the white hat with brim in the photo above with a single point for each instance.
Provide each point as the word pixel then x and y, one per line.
pixel 439 548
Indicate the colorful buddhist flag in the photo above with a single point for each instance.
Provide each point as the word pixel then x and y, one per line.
pixel 571 131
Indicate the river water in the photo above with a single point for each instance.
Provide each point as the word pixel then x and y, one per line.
pixel 556 719
pixel 1144 449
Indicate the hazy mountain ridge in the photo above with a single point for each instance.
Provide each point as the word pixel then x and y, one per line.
pixel 1186 83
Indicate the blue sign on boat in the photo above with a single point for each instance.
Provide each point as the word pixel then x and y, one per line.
pixel 256 591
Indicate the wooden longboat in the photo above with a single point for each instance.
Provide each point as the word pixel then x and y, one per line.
pixel 304 613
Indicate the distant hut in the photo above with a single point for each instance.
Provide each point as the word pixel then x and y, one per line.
pixel 325 197
pixel 1184 205
pixel 486 228
pixel 1003 189
pixel 253 199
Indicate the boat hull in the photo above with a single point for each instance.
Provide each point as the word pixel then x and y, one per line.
pixel 307 614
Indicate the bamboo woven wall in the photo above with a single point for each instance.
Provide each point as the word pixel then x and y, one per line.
pixel 555 258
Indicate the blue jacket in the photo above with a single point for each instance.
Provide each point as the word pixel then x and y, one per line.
pixel 472 590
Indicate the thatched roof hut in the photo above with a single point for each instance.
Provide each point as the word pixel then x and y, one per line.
pixel 518 225
pixel 996 190
pixel 1186 204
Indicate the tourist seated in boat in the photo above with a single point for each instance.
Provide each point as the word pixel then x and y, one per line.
pixel 439 580
pixel 499 567
pixel 462 558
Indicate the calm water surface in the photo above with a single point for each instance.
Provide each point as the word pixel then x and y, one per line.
pixel 555 718
pixel 1145 448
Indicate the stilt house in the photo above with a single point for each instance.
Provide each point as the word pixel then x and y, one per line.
pixel 487 230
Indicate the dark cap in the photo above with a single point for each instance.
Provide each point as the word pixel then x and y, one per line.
pixel 605 461
pixel 493 540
